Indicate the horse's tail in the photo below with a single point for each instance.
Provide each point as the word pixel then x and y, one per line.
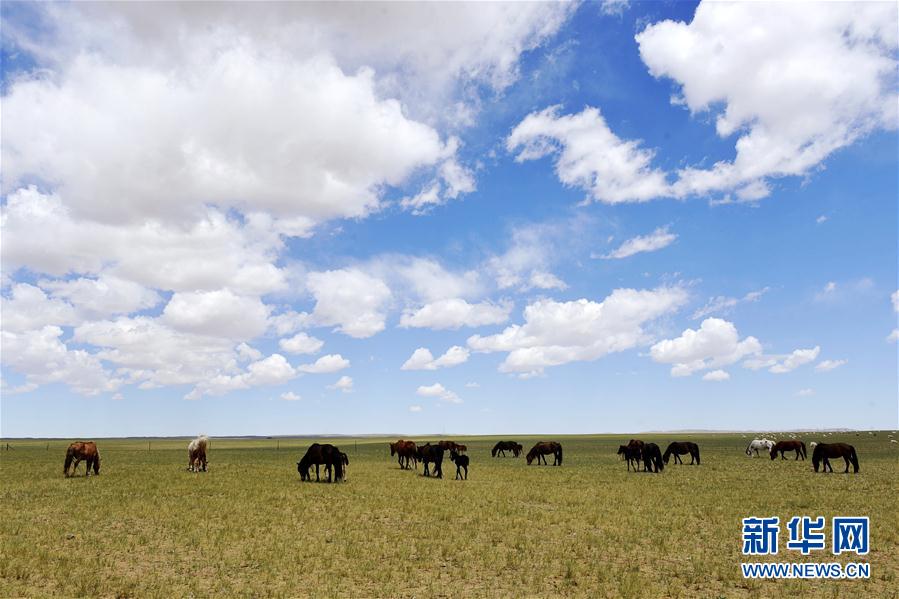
pixel 804 453
pixel 559 455
pixel 748 449
pixel 70 454
pixel 657 458
pixel 853 457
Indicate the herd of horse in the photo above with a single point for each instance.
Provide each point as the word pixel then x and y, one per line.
pixel 409 454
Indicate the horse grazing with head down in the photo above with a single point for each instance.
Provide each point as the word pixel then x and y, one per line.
pixel 652 457
pixel 82 450
pixel 428 454
pixel 824 451
pixel 757 444
pixel 321 454
pixel 503 446
pixel 783 446
pixel 196 454
pixel 679 448
pixel 544 448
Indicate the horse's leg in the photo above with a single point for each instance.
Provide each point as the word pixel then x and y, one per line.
pixel 316 473
pixel 846 471
pixel 466 471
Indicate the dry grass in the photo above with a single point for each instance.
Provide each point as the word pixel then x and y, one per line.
pixel 148 528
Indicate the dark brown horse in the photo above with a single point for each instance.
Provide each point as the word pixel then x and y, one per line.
pixel 82 450
pixel 503 446
pixel 406 452
pixel 782 446
pixel 824 451
pixel 679 448
pixel 544 448
pixel 450 445
pixel 632 455
pixel 461 462
pixel 321 454
pixel 652 457
pixel 428 454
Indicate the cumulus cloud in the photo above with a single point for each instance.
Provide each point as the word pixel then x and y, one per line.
pixel 326 364
pixel 716 376
pixel 422 359
pixel 438 391
pixel 344 384
pixel 290 396
pixel 301 343
pixel 828 365
pixel 556 333
pixel 658 239
pixel 589 155
pixel 219 313
pixel 785 363
pixel 29 308
pixel 455 313
pixel 273 370
pixel 352 300
pixel 716 343
pixel 104 296
pixel 531 253
pixel 796 86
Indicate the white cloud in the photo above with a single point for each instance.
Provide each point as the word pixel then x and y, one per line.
pixel 783 363
pixel 344 384
pixel 472 385
pixel 828 365
pixel 290 396
pixel 438 391
pixel 658 239
pixel 273 370
pixel 104 296
pixel 422 359
pixel 527 261
pixel 350 299
pixel 414 408
pixel 301 343
pixel 455 313
pixel 556 333
pixel 893 336
pixel 795 86
pixel 326 364
pixel 723 304
pixel 216 313
pixel 614 7
pixel 716 343
pixel 822 219
pixel 805 393
pixel 28 308
pixel 716 376
pixel 590 156
pixel 894 297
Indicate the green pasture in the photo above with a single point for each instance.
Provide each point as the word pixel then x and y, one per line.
pixel 249 528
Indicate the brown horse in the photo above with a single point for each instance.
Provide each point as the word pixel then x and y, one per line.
pixel 427 454
pixel 503 446
pixel 782 446
pixel 824 451
pixel 406 452
pixel 318 454
pixel 544 448
pixel 679 448
pixel 82 450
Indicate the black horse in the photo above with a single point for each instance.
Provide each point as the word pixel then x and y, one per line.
pixel 428 453
pixel 503 446
pixel 322 454
pixel 632 455
pixel 679 448
pixel 461 461
pixel 652 457
pixel 823 451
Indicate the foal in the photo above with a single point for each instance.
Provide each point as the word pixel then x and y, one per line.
pixel 461 462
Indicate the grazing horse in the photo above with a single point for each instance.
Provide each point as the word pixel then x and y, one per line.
pixel 450 446
pixel 428 453
pixel 82 450
pixel 406 450
pixel 632 455
pixel 544 448
pixel 318 454
pixel 503 446
pixel 461 462
pixel 344 460
pixel 196 454
pixel 782 446
pixel 652 456
pixel 679 448
pixel 756 444
pixel 824 451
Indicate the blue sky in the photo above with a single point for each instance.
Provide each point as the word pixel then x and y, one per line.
pixel 485 219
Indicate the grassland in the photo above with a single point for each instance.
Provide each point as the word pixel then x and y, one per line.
pixel 248 527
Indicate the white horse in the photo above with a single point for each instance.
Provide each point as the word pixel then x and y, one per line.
pixel 757 444
pixel 196 454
